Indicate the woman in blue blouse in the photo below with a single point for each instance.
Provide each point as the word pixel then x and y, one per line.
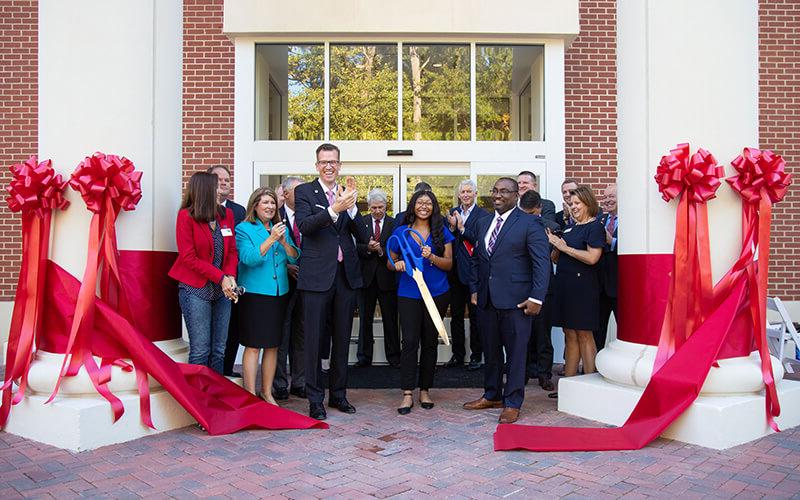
pixel 425 217
pixel 265 249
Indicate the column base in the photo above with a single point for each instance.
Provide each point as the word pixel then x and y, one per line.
pixel 717 422
pixel 80 424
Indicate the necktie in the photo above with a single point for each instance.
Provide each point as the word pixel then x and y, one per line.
pixel 493 237
pixel 612 219
pixel 377 236
pixel 295 231
pixel 339 256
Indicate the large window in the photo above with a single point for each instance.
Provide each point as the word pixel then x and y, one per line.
pixel 337 91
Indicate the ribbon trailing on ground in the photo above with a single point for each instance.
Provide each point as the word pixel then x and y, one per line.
pixel 108 184
pixel 35 191
pixel 695 179
pixel 761 182
pixel 219 405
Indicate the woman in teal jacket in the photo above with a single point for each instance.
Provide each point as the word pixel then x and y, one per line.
pixel 265 248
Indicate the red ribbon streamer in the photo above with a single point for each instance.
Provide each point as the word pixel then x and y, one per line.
pixel 219 405
pixel 108 184
pixel 35 191
pixel 695 179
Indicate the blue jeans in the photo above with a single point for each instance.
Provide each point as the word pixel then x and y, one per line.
pixel 207 323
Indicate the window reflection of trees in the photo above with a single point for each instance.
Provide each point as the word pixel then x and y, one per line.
pixel 306 76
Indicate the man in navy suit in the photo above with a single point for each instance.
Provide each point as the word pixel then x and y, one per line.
pixel 608 265
pixel 223 174
pixel 463 219
pixel 329 276
pixel 509 284
pixel 380 284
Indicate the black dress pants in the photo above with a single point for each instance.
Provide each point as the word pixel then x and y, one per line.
pixel 540 346
pixel 419 335
pixel 232 344
pixel 338 303
pixel 607 306
pixel 459 298
pixel 292 346
pixel 367 298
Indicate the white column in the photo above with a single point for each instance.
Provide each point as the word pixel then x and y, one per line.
pixel 687 72
pixel 110 81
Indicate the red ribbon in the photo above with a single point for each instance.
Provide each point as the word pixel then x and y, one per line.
pixel 35 191
pixel 761 182
pixel 108 184
pixel 695 179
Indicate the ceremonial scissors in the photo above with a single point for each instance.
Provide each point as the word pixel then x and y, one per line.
pixel 414 269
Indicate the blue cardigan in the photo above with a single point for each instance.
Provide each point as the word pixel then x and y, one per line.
pixel 267 274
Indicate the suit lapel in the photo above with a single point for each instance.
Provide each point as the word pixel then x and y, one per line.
pixel 513 216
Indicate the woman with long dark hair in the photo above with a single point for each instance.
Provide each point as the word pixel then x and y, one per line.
pixel 265 248
pixel 423 216
pixel 205 270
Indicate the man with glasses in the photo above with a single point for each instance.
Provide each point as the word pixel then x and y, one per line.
pixel 511 263
pixel 329 275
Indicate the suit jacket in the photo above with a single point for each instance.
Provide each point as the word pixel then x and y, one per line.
pixel 462 265
pixel 519 266
pixel 196 250
pixel 549 215
pixel 322 238
pixel 238 211
pixel 608 263
pixel 372 265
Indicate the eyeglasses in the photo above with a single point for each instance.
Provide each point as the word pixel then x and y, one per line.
pixel 331 163
pixel 503 191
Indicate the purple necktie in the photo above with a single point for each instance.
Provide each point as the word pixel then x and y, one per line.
pixel 493 237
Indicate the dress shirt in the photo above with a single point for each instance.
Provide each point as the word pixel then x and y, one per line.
pixel 466 213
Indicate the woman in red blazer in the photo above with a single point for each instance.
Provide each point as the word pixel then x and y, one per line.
pixel 205 270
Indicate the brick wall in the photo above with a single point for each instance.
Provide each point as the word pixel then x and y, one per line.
pixel 590 80
pixel 779 130
pixel 208 73
pixel 18 119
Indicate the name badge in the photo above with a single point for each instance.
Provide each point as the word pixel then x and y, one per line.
pixel 319 206
pixel 568 230
pixel 226 231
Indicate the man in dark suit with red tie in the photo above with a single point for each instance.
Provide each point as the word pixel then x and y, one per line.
pixel 608 265
pixel 329 275
pixel 293 341
pixel 380 284
pixel 509 285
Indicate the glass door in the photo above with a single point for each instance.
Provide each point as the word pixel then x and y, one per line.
pixel 443 179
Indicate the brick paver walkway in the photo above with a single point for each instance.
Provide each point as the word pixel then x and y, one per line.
pixel 446 452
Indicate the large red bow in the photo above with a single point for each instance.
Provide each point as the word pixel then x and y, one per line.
pixel 102 177
pixel 760 173
pixel 698 176
pixel 35 191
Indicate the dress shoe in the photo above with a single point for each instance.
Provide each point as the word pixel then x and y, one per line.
pixel 405 410
pixel 281 394
pixel 454 362
pixel 482 404
pixel 317 411
pixel 546 383
pixel 300 392
pixel 343 405
pixel 362 363
pixel 394 363
pixel 234 375
pixel 474 364
pixel 426 404
pixel 509 415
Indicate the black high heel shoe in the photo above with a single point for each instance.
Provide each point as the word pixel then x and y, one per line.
pixel 425 404
pixel 405 410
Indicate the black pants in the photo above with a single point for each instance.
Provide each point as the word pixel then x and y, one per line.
pixel 338 303
pixel 460 297
pixel 509 330
pixel 418 329
pixel 540 346
pixel 607 306
pixel 367 298
pixel 292 347
pixel 232 344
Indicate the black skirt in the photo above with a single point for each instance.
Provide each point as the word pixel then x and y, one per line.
pixel 261 320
